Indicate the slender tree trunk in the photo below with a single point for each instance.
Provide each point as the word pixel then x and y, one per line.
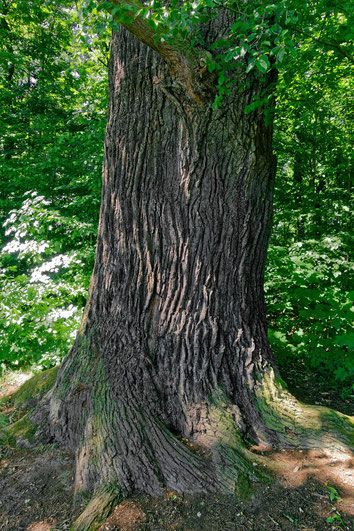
pixel 162 386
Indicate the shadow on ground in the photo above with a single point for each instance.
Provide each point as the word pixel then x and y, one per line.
pixel 314 491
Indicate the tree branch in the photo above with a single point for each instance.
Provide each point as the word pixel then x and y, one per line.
pixel 186 64
pixel 145 33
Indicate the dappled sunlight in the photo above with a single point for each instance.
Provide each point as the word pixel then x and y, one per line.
pixel 25 247
pixel 219 422
pixel 301 425
pixel 62 313
pixel 12 380
pixel 93 448
pixel 331 468
pixel 126 516
pixel 323 434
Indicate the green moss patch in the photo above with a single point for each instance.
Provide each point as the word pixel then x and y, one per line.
pixel 243 487
pixel 342 424
pixel 34 388
pixel 16 427
pixel 99 508
pixel 22 430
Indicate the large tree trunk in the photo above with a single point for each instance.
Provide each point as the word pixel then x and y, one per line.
pixel 162 385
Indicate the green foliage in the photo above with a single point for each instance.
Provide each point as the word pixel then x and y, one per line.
pixel 309 275
pixel 53 105
pixel 44 282
pixel 310 306
pixel 334 518
pixel 261 35
pixel 291 519
pixel 53 91
pixel 53 73
pixel 333 494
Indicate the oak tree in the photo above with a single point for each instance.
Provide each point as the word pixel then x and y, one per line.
pixel 171 378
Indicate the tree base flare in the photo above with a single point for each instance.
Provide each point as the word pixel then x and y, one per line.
pixel 27 432
pixel 121 443
pixel 120 449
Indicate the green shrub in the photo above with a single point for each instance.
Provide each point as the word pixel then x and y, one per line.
pixel 310 306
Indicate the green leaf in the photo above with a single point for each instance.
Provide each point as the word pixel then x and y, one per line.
pixel 263 64
pixel 280 55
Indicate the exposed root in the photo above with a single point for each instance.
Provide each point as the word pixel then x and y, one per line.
pixel 34 389
pixel 20 434
pixel 115 440
pixel 29 405
pixel 300 425
pixel 151 458
pixel 116 443
pixel 98 509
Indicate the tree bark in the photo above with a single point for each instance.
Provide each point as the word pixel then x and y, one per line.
pixel 175 320
pixel 163 385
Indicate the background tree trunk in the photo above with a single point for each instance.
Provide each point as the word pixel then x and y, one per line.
pixel 174 329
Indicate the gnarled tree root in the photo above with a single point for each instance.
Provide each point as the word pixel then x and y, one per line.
pixel 99 508
pixel 147 456
pixel 299 425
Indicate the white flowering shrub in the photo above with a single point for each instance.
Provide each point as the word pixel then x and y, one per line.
pixel 44 286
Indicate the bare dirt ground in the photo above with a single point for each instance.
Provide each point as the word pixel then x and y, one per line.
pixel 314 492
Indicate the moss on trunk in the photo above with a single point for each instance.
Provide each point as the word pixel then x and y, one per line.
pixel 300 425
pixel 34 388
pixel 19 434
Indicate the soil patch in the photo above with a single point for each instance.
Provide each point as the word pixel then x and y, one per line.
pixel 36 495
pixel 271 508
pixel 35 489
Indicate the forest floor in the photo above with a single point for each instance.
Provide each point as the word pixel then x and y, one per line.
pixel 314 491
